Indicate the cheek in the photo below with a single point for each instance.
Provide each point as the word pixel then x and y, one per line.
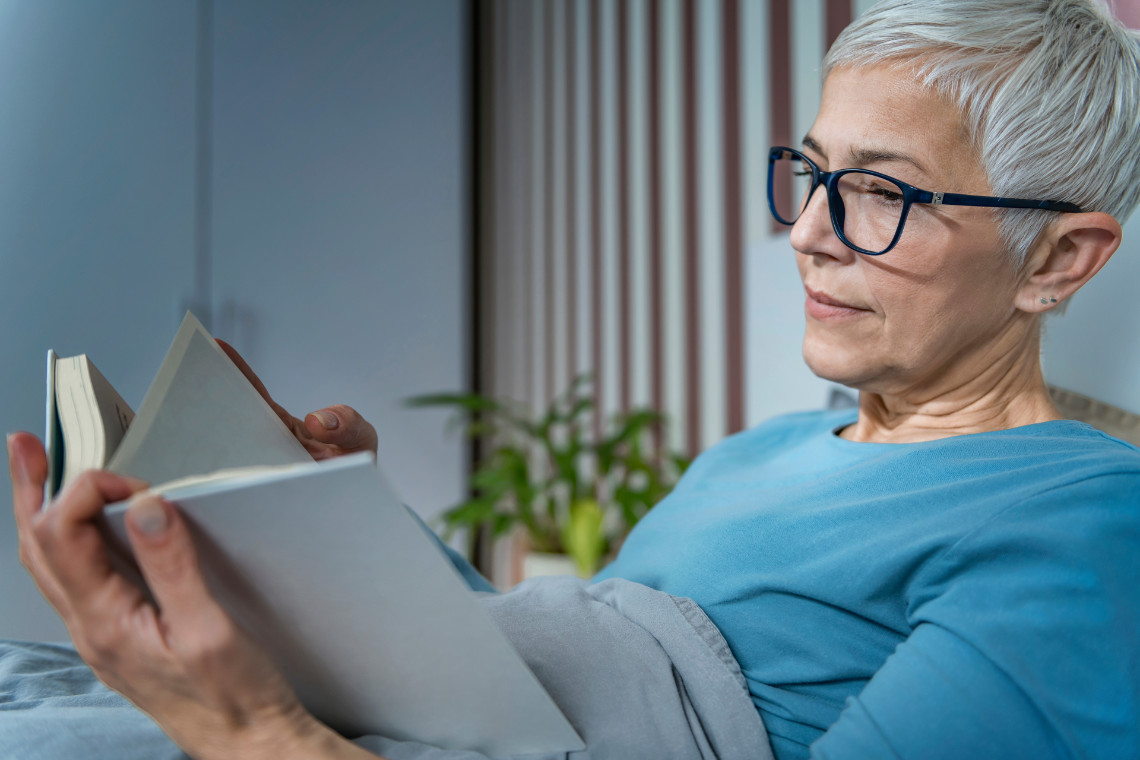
pixel 951 310
pixel 945 266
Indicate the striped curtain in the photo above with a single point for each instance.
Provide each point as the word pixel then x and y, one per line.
pixel 613 205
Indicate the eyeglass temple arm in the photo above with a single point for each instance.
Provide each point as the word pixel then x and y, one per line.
pixel 989 201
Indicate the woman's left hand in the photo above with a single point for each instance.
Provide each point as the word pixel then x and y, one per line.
pixel 330 432
pixel 184 662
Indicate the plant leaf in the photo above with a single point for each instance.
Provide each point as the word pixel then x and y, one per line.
pixel 473 512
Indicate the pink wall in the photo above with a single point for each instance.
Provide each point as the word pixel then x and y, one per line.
pixel 1128 11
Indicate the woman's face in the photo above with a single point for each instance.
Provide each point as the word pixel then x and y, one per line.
pixel 936 311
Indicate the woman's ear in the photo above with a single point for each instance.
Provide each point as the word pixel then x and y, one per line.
pixel 1068 254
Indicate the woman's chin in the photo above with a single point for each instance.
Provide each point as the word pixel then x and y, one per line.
pixel 836 364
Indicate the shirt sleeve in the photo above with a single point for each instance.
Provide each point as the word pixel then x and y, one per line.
pixel 1025 640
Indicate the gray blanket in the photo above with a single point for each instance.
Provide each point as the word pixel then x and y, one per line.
pixel 639 673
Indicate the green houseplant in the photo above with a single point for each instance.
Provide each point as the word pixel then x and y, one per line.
pixel 571 491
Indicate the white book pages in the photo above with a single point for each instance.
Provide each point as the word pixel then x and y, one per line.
pixel 201 414
pixel 93 417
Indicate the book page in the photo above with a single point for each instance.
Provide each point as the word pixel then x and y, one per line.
pixel 73 404
pixel 228 477
pixel 115 413
pixel 93 417
pixel 200 415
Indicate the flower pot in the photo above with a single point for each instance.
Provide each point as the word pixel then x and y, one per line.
pixel 535 564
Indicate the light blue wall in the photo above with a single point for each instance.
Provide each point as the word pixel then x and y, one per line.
pixel 334 148
pixel 338 224
pixel 96 211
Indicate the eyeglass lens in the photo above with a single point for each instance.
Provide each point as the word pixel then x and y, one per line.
pixel 869 209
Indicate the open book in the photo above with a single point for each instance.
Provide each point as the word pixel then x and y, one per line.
pixel 319 561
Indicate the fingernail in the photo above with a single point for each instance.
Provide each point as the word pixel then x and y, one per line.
pixel 328 420
pixel 148 513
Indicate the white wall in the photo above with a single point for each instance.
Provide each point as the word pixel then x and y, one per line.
pixel 334 222
pixel 777 379
pixel 1094 348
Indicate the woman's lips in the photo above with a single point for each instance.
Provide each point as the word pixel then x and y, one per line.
pixel 822 306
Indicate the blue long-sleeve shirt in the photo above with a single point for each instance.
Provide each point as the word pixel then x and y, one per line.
pixel 976 596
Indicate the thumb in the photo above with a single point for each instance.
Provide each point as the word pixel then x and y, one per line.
pixel 28 468
pixel 343 427
pixel 164 550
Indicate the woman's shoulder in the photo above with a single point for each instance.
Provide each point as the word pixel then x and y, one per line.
pixel 1072 451
pixel 1068 434
pixel 1068 498
pixel 974 474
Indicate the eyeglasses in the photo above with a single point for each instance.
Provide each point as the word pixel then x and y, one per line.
pixel 868 209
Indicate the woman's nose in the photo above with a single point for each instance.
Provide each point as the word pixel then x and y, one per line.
pixel 814 233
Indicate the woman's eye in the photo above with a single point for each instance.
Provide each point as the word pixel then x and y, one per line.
pixel 884 193
pixel 887 193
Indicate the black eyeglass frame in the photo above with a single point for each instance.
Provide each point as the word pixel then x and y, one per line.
pixel 910 195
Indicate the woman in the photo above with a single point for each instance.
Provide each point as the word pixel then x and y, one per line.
pixel 949 572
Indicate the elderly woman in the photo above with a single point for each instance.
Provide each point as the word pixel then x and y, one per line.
pixel 949 572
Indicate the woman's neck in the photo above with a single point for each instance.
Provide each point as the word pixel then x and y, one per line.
pixel 1007 393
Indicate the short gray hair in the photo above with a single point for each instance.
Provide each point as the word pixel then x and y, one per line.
pixel 1049 91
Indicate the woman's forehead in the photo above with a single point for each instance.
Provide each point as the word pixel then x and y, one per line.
pixel 882 116
pixel 868 152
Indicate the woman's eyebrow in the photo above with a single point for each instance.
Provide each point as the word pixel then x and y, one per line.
pixel 860 157
pixel 810 143
pixel 864 156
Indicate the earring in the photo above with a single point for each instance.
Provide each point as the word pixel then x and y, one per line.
pixel 1048 300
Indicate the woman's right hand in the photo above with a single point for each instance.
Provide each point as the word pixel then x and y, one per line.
pixel 182 660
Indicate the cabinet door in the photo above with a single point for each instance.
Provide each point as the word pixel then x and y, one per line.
pixel 97 216
pixel 339 199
